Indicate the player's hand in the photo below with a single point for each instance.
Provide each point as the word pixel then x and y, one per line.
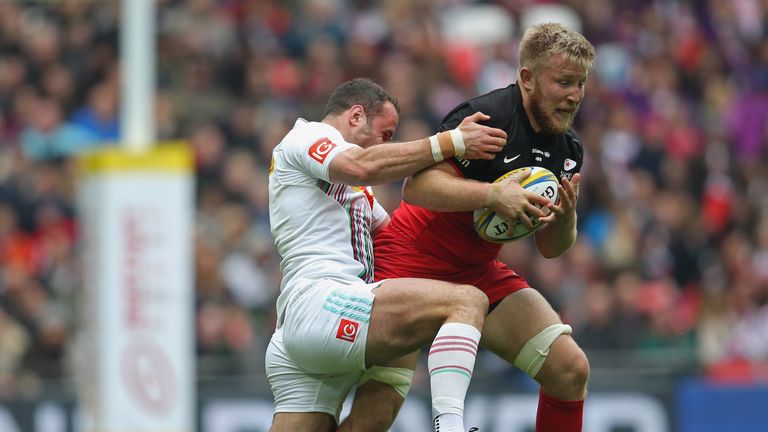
pixel 481 142
pixel 565 210
pixel 514 202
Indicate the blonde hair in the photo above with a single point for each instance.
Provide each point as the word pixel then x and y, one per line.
pixel 541 42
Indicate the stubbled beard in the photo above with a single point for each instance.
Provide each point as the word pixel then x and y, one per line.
pixel 546 122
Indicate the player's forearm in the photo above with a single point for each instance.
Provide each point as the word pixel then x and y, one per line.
pixel 556 238
pixel 438 190
pixel 389 162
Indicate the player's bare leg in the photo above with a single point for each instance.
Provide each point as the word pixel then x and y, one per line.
pixel 293 422
pixel 407 314
pixel 376 404
pixel 565 371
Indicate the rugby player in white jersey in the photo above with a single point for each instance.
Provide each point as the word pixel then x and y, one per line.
pixel 336 328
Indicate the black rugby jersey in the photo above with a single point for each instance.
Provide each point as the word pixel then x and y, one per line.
pixel 449 238
pixel 560 153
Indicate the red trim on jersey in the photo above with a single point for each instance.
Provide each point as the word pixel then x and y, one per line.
pixel 452 163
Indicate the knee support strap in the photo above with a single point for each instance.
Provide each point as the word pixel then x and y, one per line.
pixel 398 378
pixel 531 358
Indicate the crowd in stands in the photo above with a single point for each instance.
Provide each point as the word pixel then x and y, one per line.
pixel 672 256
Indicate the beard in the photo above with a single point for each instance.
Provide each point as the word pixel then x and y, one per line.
pixel 550 122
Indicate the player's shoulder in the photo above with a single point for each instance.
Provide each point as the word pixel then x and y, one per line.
pixel 494 103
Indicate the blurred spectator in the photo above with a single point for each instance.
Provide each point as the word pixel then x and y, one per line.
pixel 49 136
pixel 99 116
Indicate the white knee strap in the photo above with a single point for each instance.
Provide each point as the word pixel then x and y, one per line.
pixel 398 378
pixel 534 352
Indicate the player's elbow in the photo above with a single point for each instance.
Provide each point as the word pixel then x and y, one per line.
pixel 550 253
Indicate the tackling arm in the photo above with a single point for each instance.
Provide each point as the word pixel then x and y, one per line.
pixel 389 162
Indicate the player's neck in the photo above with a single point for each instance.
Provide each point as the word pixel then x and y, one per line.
pixel 338 123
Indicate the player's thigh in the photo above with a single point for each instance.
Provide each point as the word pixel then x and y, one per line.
pixel 408 312
pixel 517 318
pixel 298 393
pixel 376 404
pixel 295 422
pixel 325 329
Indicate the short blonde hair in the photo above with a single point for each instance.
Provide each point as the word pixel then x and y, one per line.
pixel 541 42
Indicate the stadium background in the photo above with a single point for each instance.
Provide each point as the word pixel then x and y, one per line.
pixel 667 287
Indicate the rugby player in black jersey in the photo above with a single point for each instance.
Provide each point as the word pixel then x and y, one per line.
pixel 432 234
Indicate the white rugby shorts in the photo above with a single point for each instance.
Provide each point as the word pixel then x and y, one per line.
pixel 318 354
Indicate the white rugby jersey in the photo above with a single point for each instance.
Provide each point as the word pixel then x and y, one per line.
pixel 322 230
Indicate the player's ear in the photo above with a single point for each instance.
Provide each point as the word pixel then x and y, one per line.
pixel 356 115
pixel 526 79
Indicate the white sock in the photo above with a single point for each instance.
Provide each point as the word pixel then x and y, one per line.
pixel 450 361
pixel 448 422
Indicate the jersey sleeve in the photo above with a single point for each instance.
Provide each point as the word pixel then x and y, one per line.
pixel 313 155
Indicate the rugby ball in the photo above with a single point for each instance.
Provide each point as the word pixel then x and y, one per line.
pixel 497 229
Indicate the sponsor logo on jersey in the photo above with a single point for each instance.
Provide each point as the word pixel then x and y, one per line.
pixel 508 160
pixel 347 330
pixel 538 154
pixel 320 149
pixel 463 162
pixel 569 164
pixel 567 175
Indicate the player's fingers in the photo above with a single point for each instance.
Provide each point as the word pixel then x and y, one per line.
pixel 548 218
pixel 521 175
pixel 494 145
pixel 536 199
pixel 477 117
pixel 485 153
pixel 497 142
pixel 534 211
pixel 571 186
pixel 497 133
pixel 525 220
pixel 575 181
pixel 554 213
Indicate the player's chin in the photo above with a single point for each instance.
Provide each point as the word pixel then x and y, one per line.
pixel 562 122
pixel 563 126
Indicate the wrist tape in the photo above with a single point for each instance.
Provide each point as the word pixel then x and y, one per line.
pixel 447 144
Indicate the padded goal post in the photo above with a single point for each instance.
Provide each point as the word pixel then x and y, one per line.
pixel 135 344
